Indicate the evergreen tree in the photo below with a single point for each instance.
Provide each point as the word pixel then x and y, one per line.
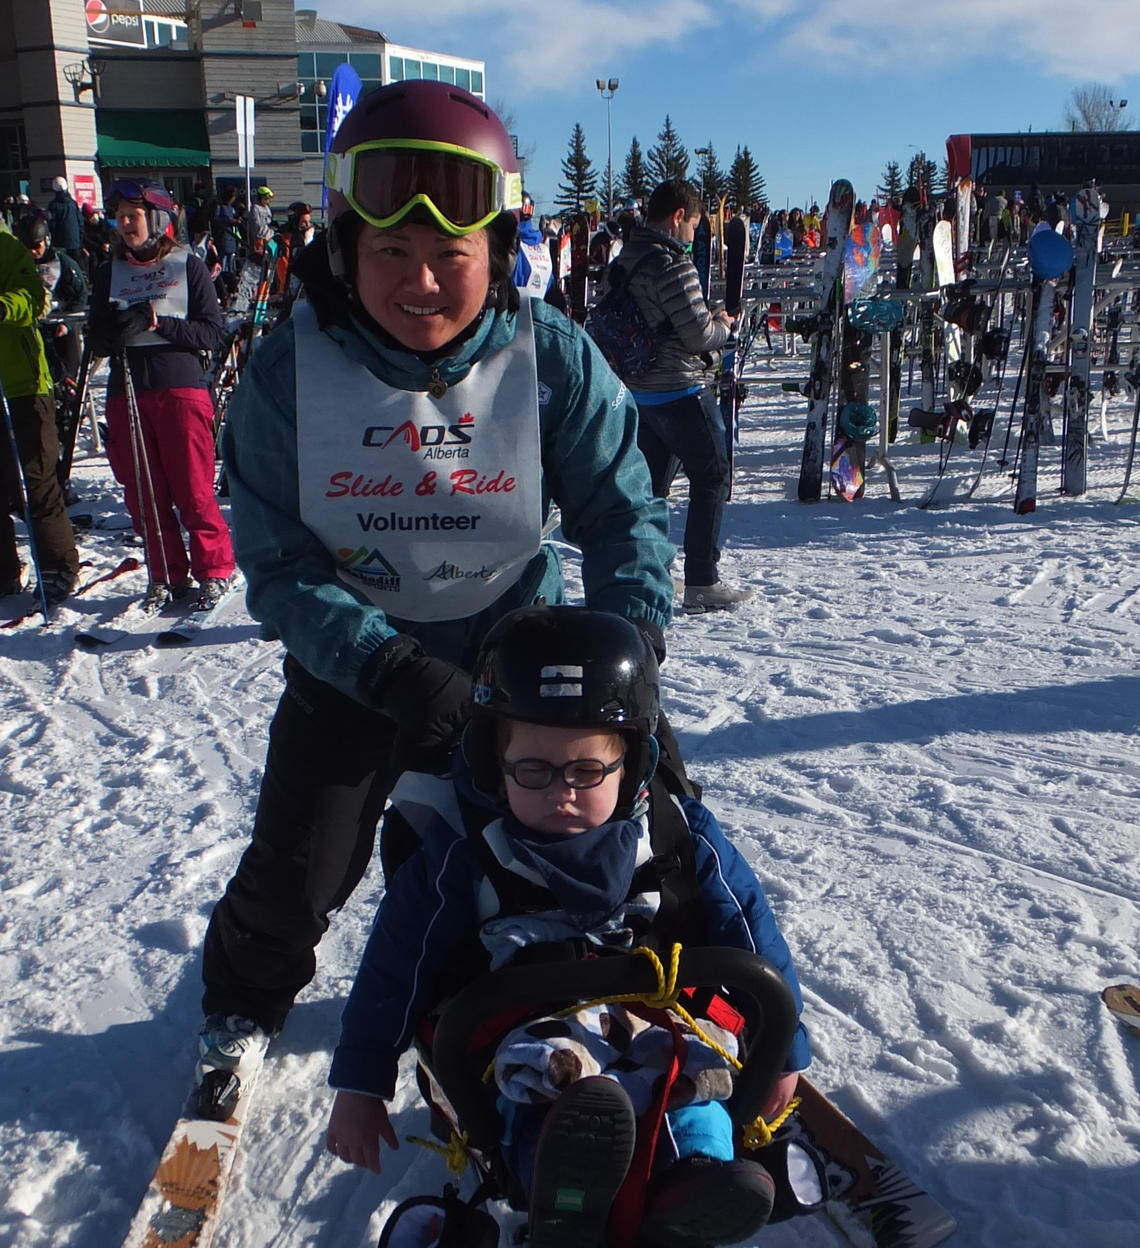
pixel 608 199
pixel 581 180
pixel 892 183
pixel 711 178
pixel 922 172
pixel 669 159
pixel 744 181
pixel 944 184
pixel 634 181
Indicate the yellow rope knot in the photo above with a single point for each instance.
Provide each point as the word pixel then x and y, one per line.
pixel 454 1152
pixel 759 1133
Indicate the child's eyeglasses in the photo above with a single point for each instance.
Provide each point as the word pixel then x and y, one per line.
pixel 537 773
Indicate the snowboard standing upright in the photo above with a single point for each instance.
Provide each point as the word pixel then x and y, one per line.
pixel 702 254
pixel 1087 212
pixel 856 421
pixel 1050 255
pixel 826 337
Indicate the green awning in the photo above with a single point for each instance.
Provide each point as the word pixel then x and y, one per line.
pixel 130 138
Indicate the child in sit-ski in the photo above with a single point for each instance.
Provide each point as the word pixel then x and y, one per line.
pixel 540 836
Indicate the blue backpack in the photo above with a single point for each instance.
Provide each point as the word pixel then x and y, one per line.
pixel 619 329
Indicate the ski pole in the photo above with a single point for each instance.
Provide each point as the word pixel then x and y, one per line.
pixel 1131 444
pixel 141 462
pixel 25 503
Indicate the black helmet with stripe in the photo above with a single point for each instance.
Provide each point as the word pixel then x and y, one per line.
pixel 567 667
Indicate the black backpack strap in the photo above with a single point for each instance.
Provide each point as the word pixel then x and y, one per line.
pixel 681 914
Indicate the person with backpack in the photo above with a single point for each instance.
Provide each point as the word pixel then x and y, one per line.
pixel 394 451
pixel 538 847
pixel 681 425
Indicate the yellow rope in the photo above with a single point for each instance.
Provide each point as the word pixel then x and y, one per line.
pixel 454 1152
pixel 756 1134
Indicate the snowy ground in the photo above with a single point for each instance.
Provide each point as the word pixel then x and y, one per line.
pixel 922 733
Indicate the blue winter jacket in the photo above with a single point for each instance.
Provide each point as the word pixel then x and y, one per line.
pixel 591 469
pixel 428 921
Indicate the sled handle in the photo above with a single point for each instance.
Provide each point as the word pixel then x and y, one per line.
pixel 463 1044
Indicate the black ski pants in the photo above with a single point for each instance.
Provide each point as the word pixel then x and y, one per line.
pixel 329 769
pixel 33 421
pixel 689 433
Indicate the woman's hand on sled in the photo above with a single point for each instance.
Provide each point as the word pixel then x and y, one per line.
pixel 358 1123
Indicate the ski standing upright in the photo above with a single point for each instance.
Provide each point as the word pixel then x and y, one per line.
pixel 825 330
pixel 1087 212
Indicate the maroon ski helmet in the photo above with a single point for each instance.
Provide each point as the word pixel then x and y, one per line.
pixel 435 125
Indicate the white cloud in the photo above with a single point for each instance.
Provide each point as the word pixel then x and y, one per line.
pixel 1061 37
pixel 564 46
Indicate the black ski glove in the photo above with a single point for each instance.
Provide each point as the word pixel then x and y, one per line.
pixel 429 698
pixel 654 636
pixel 125 322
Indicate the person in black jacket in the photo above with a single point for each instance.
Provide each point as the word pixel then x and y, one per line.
pixel 66 221
pixel 66 286
pixel 154 309
pixel 680 424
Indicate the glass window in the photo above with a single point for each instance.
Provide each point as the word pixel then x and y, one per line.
pixel 326 64
pixel 447 73
pixel 476 83
pixel 431 71
pixel 305 65
pixel 309 117
pixel 310 140
pixel 395 68
pixel 13 152
pixel 463 79
pixel 412 69
pixel 366 64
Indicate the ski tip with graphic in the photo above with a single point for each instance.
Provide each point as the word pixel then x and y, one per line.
pixel 871 1199
pixel 183 1206
pixel 1123 1001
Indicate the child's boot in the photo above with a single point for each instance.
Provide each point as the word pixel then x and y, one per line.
pixel 698 1202
pixel 583 1154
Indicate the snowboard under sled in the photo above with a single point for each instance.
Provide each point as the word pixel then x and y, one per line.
pixel 818 1159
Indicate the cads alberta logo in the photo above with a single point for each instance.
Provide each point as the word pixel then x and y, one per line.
pixel 421 437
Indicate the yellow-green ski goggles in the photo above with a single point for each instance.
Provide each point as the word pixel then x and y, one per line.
pixel 386 179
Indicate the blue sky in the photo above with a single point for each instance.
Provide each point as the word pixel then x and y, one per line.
pixel 816 91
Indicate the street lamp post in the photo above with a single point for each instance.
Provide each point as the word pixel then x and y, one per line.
pixel 702 152
pixel 609 90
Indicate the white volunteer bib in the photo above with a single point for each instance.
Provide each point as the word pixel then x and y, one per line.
pixel 541 268
pixel 162 282
pixel 431 507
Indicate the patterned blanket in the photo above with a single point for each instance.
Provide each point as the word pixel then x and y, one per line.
pixel 537 1061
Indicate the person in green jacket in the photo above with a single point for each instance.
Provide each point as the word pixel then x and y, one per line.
pixel 27 388
pixel 395 454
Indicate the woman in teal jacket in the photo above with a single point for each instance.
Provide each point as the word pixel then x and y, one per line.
pixel 395 453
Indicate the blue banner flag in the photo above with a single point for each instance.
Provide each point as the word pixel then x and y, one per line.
pixel 344 91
